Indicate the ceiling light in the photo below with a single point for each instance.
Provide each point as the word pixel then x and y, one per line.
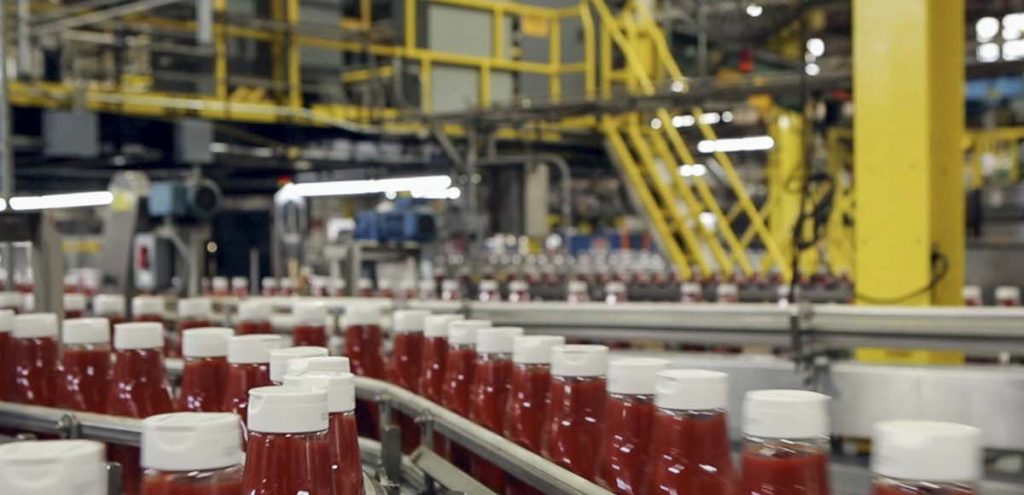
pixel 414 185
pixel 70 200
pixel 731 145
pixel 655 123
pixel 710 118
pixel 726 116
pixel 816 47
pixel 754 10
pixel 988 52
pixel 694 170
pixel 812 69
pixel 986 28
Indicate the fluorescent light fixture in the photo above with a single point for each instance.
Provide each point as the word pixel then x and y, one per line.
pixel 812 69
pixel 707 219
pixel 1013 50
pixel 449 193
pixel 754 10
pixel 70 200
pixel 683 121
pixel 3 204
pixel 1013 24
pixel 678 86
pixel 986 28
pixel 816 47
pixel 694 170
pixel 655 123
pixel 987 52
pixel 731 145
pixel 710 118
pixel 727 116
pixel 415 185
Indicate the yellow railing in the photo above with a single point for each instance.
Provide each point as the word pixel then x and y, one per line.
pixel 994 155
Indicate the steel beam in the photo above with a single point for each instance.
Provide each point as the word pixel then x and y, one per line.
pixel 908 165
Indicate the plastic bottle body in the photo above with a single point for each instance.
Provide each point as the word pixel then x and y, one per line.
pixel 528 404
pixel 459 373
pixel 33 362
pixel 487 405
pixel 785 466
pixel 690 453
pixel 346 468
pixel 626 442
pixel 227 481
pixel 435 356
pixel 403 369
pixel 309 335
pixel 363 345
pixel 287 463
pixel 253 327
pixel 85 377
pixel 241 377
pixel 575 422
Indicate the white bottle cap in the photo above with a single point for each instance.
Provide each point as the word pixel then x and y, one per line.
pixel 615 287
pixel 86 331
pixel 221 284
pixel 249 349
pixel 579 360
pixel 535 349
pixel 360 314
pixel 364 284
pixel 191 441
pixel 318 364
pixel 10 299
pixel 691 390
pixel 6 320
pixel 577 286
pixel 254 310
pixel 437 325
pixel 340 388
pixel 53 467
pixel 35 325
pixel 450 285
pixel 148 305
pixel 972 292
pixel 75 302
pixel 286 283
pixel 690 288
pixel 337 284
pixel 488 285
pixel 205 342
pixel 927 451
pixel 727 290
pixel 1007 292
pixel 312 313
pixel 108 304
pixel 239 283
pixel 428 285
pixel 634 376
pixel 463 332
pixel 269 283
pixel 279 359
pixel 142 335
pixel 496 340
pixel 384 284
pixel 518 286
pixel 785 414
pixel 287 410
pixel 195 307
pixel 409 320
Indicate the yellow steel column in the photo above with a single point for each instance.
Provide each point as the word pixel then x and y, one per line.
pixel 294 64
pixel 908 165
pixel 220 49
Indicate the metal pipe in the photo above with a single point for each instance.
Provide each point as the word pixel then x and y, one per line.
pixel 563 170
pixel 61 422
pixel 6 152
pixel 513 459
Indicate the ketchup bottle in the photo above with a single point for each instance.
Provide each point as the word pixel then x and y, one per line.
pixel 628 414
pixel 403 369
pixel 240 286
pixel 689 449
pixel 53 467
pixel 528 396
pixel 1007 295
pixel 346 468
pixel 451 290
pixel 488 291
pixel 384 289
pixel 288 449
pixel 727 292
pixel 248 368
pixel 85 365
pixel 972 296
pixel 32 354
pixel 489 392
pixel 10 300
pixel 279 359
pixel 206 369
pixel 310 324
pixel 577 292
pixel 6 368
pixel 926 458
pixel 573 426
pixel 518 291
pixel 253 318
pixel 435 355
pixel 148 308
pixel 74 305
pixel 316 364
pixel 363 346
pixel 269 285
pixel 220 286
pixel 364 287
pixel 286 287
pixel 786 445
pixel 615 292
pixel 192 454
pixel 110 306
pixel 195 312
pixel 427 289
pixel 139 387
pixel 458 375
pixel 691 292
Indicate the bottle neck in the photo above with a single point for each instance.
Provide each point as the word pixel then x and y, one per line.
pixel 789 447
pixel 101 347
pixel 461 346
pixel 495 356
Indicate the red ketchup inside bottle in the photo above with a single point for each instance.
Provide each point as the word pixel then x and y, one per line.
pixel 626 439
pixel 192 313
pixel 913 457
pixel 32 354
pixel 288 450
pixel 253 318
pixel 689 449
pixel 488 394
pixel 6 370
pixel 576 418
pixel 192 454
pixel 85 365
pixel 346 470
pixel 206 369
pixel 310 324
pixel 435 359
pixel 528 396
pixel 248 368
pixel 405 365
pixel 458 375
pixel 139 387
pixel 786 448
pixel 363 344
